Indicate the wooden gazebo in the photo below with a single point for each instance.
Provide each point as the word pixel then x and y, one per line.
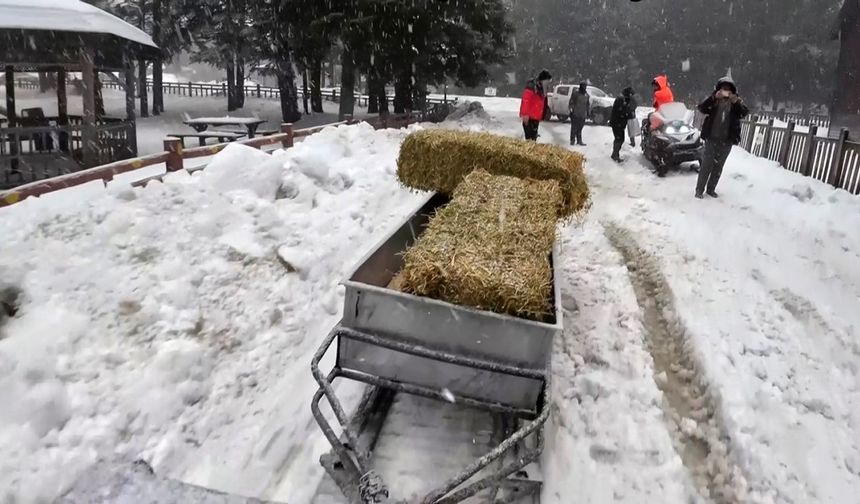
pixel 60 37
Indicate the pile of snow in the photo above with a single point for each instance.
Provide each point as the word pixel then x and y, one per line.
pixel 155 321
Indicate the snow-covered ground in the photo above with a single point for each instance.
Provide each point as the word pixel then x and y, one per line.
pixel 708 344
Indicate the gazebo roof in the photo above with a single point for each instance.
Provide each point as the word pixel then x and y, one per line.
pixel 34 31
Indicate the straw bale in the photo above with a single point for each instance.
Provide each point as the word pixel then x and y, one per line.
pixel 489 248
pixel 439 159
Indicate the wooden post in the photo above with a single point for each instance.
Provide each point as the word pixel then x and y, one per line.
pixel 89 135
pixel 288 129
pixel 259 94
pixel 786 145
pixel 765 143
pixel 144 90
pixel 751 137
pixel 835 176
pixel 128 72
pixel 173 146
pixel 224 89
pixel 190 89
pixel 11 115
pixel 809 151
pixel 62 111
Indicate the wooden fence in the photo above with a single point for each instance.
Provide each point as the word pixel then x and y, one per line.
pixel 174 157
pixel 822 121
pixel 835 161
pixel 203 89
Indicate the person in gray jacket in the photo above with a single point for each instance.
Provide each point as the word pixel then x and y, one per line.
pixel 579 106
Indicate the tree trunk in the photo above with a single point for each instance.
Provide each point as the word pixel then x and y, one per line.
pixel 305 92
pixel 381 96
pixel 403 91
pixel 231 86
pixel 158 64
pixel 845 111
pixel 316 87
pixel 47 81
pixel 372 94
pixel 141 82
pixel 287 86
pixel 240 81
pixel 347 84
pixel 99 96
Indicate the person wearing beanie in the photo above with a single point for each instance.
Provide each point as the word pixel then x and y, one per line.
pixel 534 107
pixel 721 130
pixel 579 105
pixel 621 114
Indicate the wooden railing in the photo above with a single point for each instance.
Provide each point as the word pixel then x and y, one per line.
pixel 32 153
pixel 174 157
pixel 203 89
pixel 822 121
pixel 835 161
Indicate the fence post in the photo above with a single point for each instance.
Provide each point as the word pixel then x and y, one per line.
pixel 809 151
pixel 786 145
pixel 765 143
pixel 259 94
pixel 224 89
pixel 835 176
pixel 751 137
pixel 288 129
pixel 173 146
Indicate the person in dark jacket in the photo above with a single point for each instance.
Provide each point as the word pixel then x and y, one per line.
pixel 721 130
pixel 618 121
pixel 533 107
pixel 631 130
pixel 579 106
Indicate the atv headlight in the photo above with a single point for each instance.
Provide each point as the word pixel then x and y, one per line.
pixel 672 130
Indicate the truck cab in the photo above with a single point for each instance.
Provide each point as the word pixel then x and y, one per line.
pixel 601 103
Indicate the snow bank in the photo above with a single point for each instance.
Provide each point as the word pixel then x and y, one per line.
pixel 160 323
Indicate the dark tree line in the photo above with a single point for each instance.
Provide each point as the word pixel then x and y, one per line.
pixel 407 44
pixel 778 50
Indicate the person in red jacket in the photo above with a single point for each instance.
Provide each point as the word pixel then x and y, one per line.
pixel 662 91
pixel 533 107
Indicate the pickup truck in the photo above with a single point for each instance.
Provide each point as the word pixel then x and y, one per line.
pixel 601 103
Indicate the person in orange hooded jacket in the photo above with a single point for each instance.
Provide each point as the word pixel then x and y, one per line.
pixel 662 91
pixel 533 107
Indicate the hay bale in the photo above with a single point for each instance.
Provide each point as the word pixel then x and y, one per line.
pixel 439 159
pixel 489 248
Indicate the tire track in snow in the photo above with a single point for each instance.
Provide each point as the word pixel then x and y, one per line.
pixel 695 426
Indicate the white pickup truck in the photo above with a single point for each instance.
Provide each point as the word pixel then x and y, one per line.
pixel 601 103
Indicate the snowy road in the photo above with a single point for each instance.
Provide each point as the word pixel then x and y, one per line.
pixel 751 301
pixel 710 347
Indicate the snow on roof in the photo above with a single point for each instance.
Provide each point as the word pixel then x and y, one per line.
pixel 66 15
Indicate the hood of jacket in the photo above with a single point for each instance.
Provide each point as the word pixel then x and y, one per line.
pixel 662 81
pixel 727 80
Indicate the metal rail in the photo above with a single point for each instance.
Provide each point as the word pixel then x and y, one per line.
pixel 349 462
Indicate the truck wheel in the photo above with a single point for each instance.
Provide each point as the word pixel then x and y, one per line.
pixel 562 118
pixel 599 118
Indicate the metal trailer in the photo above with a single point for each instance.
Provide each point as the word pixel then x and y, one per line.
pixel 400 343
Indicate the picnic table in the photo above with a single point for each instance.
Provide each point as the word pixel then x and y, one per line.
pixel 222 136
pixel 200 124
